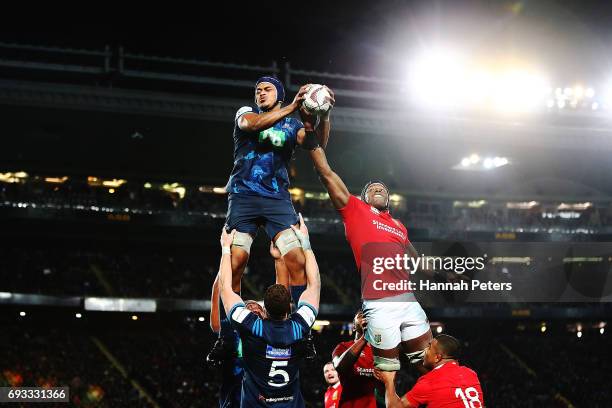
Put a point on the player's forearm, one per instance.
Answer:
(320, 163)
(225, 281)
(215, 315)
(348, 359)
(338, 193)
(322, 131)
(313, 278)
(392, 400)
(265, 120)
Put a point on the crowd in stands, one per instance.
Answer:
(52, 357)
(434, 214)
(515, 370)
(152, 273)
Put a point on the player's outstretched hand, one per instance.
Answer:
(331, 94)
(386, 377)
(227, 238)
(299, 97)
(274, 251)
(302, 233)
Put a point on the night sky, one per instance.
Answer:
(572, 40)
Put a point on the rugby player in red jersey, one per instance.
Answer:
(394, 319)
(354, 362)
(447, 385)
(334, 390)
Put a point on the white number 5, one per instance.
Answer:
(274, 372)
(472, 396)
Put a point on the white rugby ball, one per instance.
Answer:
(317, 100)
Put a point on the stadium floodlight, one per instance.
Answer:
(438, 77)
(589, 92)
(488, 163)
(22, 314)
(579, 334)
(602, 330)
(474, 158)
(519, 91)
(439, 329)
(78, 315)
(134, 317)
(201, 319)
(543, 328)
(465, 162)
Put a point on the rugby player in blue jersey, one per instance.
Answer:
(265, 137)
(232, 370)
(272, 347)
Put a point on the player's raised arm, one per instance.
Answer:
(338, 193)
(228, 296)
(313, 280)
(254, 122)
(215, 315)
(345, 362)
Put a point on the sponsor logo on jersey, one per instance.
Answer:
(374, 210)
(365, 372)
(278, 353)
(275, 399)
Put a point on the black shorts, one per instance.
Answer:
(246, 213)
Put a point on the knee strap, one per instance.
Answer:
(386, 364)
(415, 357)
(286, 241)
(243, 240)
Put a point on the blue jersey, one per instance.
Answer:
(232, 372)
(261, 158)
(272, 351)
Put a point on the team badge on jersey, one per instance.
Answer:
(378, 338)
(278, 353)
(275, 136)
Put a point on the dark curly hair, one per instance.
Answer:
(277, 301)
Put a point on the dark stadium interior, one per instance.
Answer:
(116, 148)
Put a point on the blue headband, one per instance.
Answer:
(280, 90)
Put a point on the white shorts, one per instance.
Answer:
(394, 319)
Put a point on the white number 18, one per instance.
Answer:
(469, 397)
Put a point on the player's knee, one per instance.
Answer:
(386, 363)
(243, 241)
(286, 242)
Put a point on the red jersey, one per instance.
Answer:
(385, 236)
(332, 395)
(450, 386)
(358, 386)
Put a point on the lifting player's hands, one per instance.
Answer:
(387, 377)
(227, 238)
(363, 322)
(302, 234)
(274, 251)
